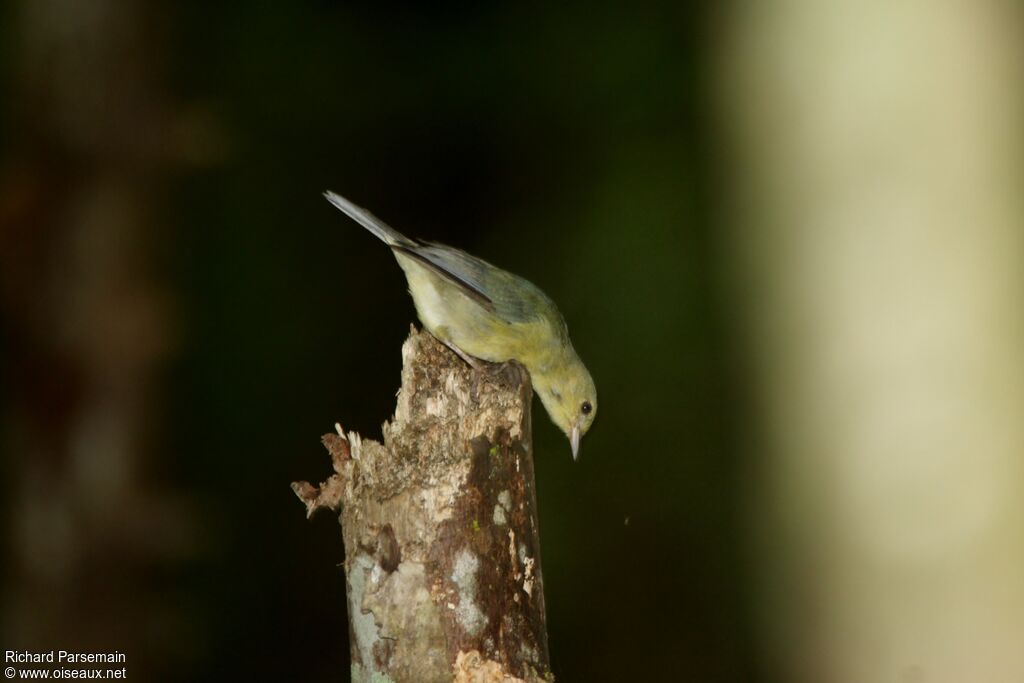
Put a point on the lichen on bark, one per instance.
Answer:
(439, 521)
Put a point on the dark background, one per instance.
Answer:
(230, 316)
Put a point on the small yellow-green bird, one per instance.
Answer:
(482, 311)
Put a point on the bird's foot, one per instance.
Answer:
(471, 361)
(481, 368)
(503, 373)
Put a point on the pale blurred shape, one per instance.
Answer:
(879, 254)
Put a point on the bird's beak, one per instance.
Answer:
(574, 439)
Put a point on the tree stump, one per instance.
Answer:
(442, 551)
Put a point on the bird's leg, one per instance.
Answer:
(478, 364)
(480, 367)
(472, 362)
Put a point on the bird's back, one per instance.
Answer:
(518, 319)
(484, 310)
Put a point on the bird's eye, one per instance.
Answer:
(586, 407)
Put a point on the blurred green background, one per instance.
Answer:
(185, 315)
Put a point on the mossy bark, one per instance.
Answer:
(442, 552)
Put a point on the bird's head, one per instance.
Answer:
(568, 394)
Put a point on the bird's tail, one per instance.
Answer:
(382, 230)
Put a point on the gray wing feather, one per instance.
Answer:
(508, 296)
(382, 230)
(465, 272)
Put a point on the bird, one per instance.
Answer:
(483, 312)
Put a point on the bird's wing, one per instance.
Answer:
(509, 297)
(463, 270)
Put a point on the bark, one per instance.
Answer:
(440, 527)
